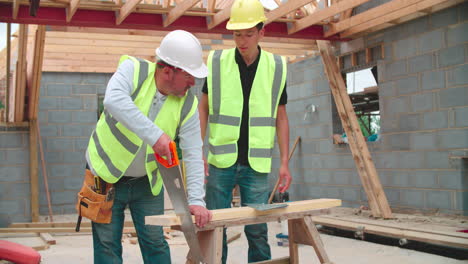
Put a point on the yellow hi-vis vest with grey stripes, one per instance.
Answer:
(226, 103)
(112, 147)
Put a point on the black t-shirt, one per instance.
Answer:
(247, 75)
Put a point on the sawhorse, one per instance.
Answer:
(299, 214)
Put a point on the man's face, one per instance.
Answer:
(247, 40)
(181, 82)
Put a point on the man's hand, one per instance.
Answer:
(285, 179)
(161, 147)
(202, 215)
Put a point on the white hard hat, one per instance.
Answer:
(181, 49)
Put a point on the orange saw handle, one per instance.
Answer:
(175, 157)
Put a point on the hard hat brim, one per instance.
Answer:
(200, 72)
(240, 26)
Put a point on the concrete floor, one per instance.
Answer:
(77, 249)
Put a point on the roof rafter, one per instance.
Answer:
(16, 4)
(126, 9)
(382, 15)
(285, 8)
(220, 17)
(71, 9)
(178, 11)
(211, 6)
(324, 13)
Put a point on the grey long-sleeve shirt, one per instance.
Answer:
(118, 102)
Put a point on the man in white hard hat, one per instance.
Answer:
(244, 103)
(147, 105)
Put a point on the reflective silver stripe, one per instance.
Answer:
(225, 120)
(260, 152)
(126, 143)
(216, 82)
(223, 149)
(150, 157)
(105, 158)
(276, 82)
(185, 110)
(142, 75)
(187, 106)
(263, 121)
(154, 178)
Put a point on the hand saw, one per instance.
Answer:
(172, 178)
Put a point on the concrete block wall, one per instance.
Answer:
(68, 111)
(423, 89)
(14, 175)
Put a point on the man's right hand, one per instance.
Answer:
(161, 147)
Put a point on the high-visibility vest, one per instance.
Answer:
(226, 104)
(113, 147)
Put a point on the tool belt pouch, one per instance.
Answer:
(93, 205)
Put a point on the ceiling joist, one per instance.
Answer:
(323, 14)
(178, 11)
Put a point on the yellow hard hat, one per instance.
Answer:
(245, 14)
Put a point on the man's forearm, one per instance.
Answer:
(203, 114)
(282, 131)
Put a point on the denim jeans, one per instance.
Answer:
(253, 187)
(136, 194)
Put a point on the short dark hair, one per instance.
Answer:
(259, 26)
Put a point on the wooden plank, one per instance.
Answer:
(211, 243)
(354, 59)
(394, 232)
(315, 240)
(71, 9)
(16, 4)
(220, 16)
(366, 168)
(36, 72)
(449, 232)
(386, 15)
(332, 78)
(220, 216)
(20, 81)
(56, 225)
(178, 11)
(48, 238)
(128, 33)
(283, 260)
(322, 14)
(211, 6)
(33, 170)
(368, 55)
(285, 8)
(368, 15)
(4, 113)
(293, 246)
(125, 10)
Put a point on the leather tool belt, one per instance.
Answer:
(95, 200)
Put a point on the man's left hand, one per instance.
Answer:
(285, 179)
(202, 215)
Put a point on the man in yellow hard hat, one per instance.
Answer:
(243, 102)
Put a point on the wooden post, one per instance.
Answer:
(34, 80)
(35, 72)
(17, 107)
(7, 91)
(33, 170)
(370, 180)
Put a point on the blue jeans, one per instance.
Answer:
(136, 194)
(253, 187)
